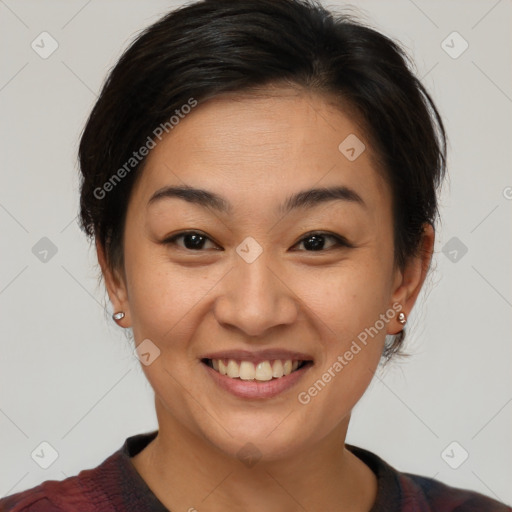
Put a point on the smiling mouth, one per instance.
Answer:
(262, 371)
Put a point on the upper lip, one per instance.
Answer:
(258, 355)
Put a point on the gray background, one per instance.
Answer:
(67, 373)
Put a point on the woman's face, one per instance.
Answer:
(253, 284)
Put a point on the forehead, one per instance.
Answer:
(259, 148)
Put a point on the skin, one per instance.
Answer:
(256, 152)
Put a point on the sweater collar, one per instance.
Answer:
(388, 487)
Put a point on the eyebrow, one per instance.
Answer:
(304, 199)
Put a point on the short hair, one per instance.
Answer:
(211, 47)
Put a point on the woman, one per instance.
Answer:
(260, 179)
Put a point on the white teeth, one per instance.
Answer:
(263, 371)
(277, 369)
(233, 369)
(247, 370)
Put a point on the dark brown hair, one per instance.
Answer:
(211, 47)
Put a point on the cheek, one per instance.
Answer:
(351, 334)
(350, 296)
(166, 298)
(332, 393)
(351, 302)
(155, 293)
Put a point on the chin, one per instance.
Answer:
(268, 438)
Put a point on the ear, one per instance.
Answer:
(409, 281)
(116, 287)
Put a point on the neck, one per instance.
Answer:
(186, 472)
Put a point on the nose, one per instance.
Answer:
(255, 298)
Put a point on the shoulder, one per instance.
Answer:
(408, 492)
(84, 492)
(112, 486)
(36, 499)
(441, 497)
(31, 500)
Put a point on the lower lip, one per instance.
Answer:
(254, 388)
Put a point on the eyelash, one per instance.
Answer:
(340, 241)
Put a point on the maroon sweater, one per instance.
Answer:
(116, 486)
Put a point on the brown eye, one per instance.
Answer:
(316, 242)
(192, 240)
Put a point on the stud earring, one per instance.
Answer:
(401, 318)
(118, 316)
